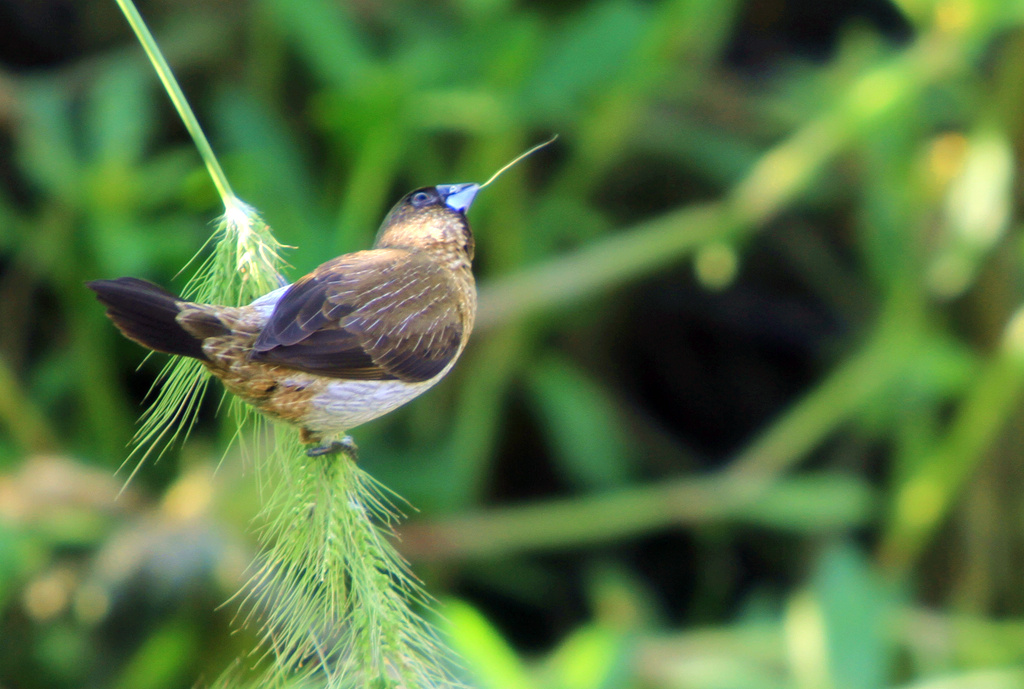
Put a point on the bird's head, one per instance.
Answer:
(431, 218)
(434, 218)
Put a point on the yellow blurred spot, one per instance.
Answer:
(920, 504)
(780, 171)
(953, 16)
(190, 496)
(587, 658)
(716, 266)
(946, 157)
(949, 275)
(486, 654)
(805, 641)
(13, 507)
(1013, 336)
(875, 92)
(978, 205)
(48, 596)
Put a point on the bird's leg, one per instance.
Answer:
(345, 446)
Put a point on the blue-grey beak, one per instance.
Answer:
(458, 197)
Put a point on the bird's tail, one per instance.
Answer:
(147, 314)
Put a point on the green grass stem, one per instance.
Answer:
(181, 104)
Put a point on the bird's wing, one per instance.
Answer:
(383, 314)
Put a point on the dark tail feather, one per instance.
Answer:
(146, 313)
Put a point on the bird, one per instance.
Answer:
(359, 336)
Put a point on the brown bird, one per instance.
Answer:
(361, 335)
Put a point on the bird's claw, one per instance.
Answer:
(345, 446)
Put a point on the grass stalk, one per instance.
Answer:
(332, 598)
(179, 101)
(924, 499)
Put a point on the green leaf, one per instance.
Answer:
(487, 656)
(119, 116)
(165, 659)
(592, 657)
(857, 612)
(20, 554)
(581, 422)
(45, 140)
(326, 37)
(588, 53)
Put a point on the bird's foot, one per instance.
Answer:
(345, 446)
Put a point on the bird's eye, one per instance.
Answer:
(421, 198)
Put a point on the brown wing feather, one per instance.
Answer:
(374, 315)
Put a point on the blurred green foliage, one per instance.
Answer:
(743, 410)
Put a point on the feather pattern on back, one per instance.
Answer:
(384, 314)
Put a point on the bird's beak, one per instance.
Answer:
(458, 197)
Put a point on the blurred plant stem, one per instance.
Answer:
(750, 484)
(776, 180)
(188, 117)
(881, 362)
(684, 30)
(245, 264)
(810, 503)
(924, 499)
(23, 419)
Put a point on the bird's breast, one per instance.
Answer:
(341, 405)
